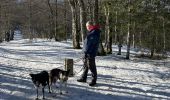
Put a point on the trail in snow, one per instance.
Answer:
(118, 79)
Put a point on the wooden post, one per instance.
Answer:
(69, 65)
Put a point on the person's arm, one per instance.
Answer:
(91, 43)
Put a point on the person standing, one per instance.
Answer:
(90, 48)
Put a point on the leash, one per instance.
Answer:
(75, 61)
(75, 73)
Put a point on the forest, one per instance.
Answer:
(52, 36)
(140, 24)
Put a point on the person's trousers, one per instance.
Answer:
(89, 63)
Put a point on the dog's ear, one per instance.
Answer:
(31, 75)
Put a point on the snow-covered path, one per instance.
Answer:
(118, 79)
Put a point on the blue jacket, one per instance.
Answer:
(91, 43)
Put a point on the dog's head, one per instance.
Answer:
(64, 75)
(33, 78)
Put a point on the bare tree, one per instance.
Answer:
(128, 32)
(120, 40)
(107, 29)
(75, 34)
(82, 19)
(56, 23)
(96, 21)
(96, 12)
(90, 10)
(29, 21)
(1, 33)
(65, 19)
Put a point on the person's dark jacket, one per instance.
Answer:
(91, 42)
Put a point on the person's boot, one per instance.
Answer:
(92, 83)
(81, 80)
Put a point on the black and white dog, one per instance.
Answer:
(41, 78)
(61, 75)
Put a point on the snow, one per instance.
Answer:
(17, 35)
(118, 79)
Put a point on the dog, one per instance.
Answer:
(58, 74)
(41, 78)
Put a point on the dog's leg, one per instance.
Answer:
(60, 87)
(52, 81)
(56, 83)
(66, 87)
(48, 86)
(43, 92)
(51, 88)
(37, 94)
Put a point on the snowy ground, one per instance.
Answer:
(118, 79)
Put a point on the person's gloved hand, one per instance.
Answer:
(86, 56)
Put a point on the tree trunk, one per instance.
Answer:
(140, 44)
(116, 34)
(128, 33)
(164, 36)
(75, 34)
(56, 36)
(96, 12)
(101, 51)
(105, 32)
(109, 35)
(82, 19)
(134, 24)
(65, 19)
(30, 22)
(1, 36)
(90, 10)
(120, 41)
(153, 47)
(128, 43)
(51, 20)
